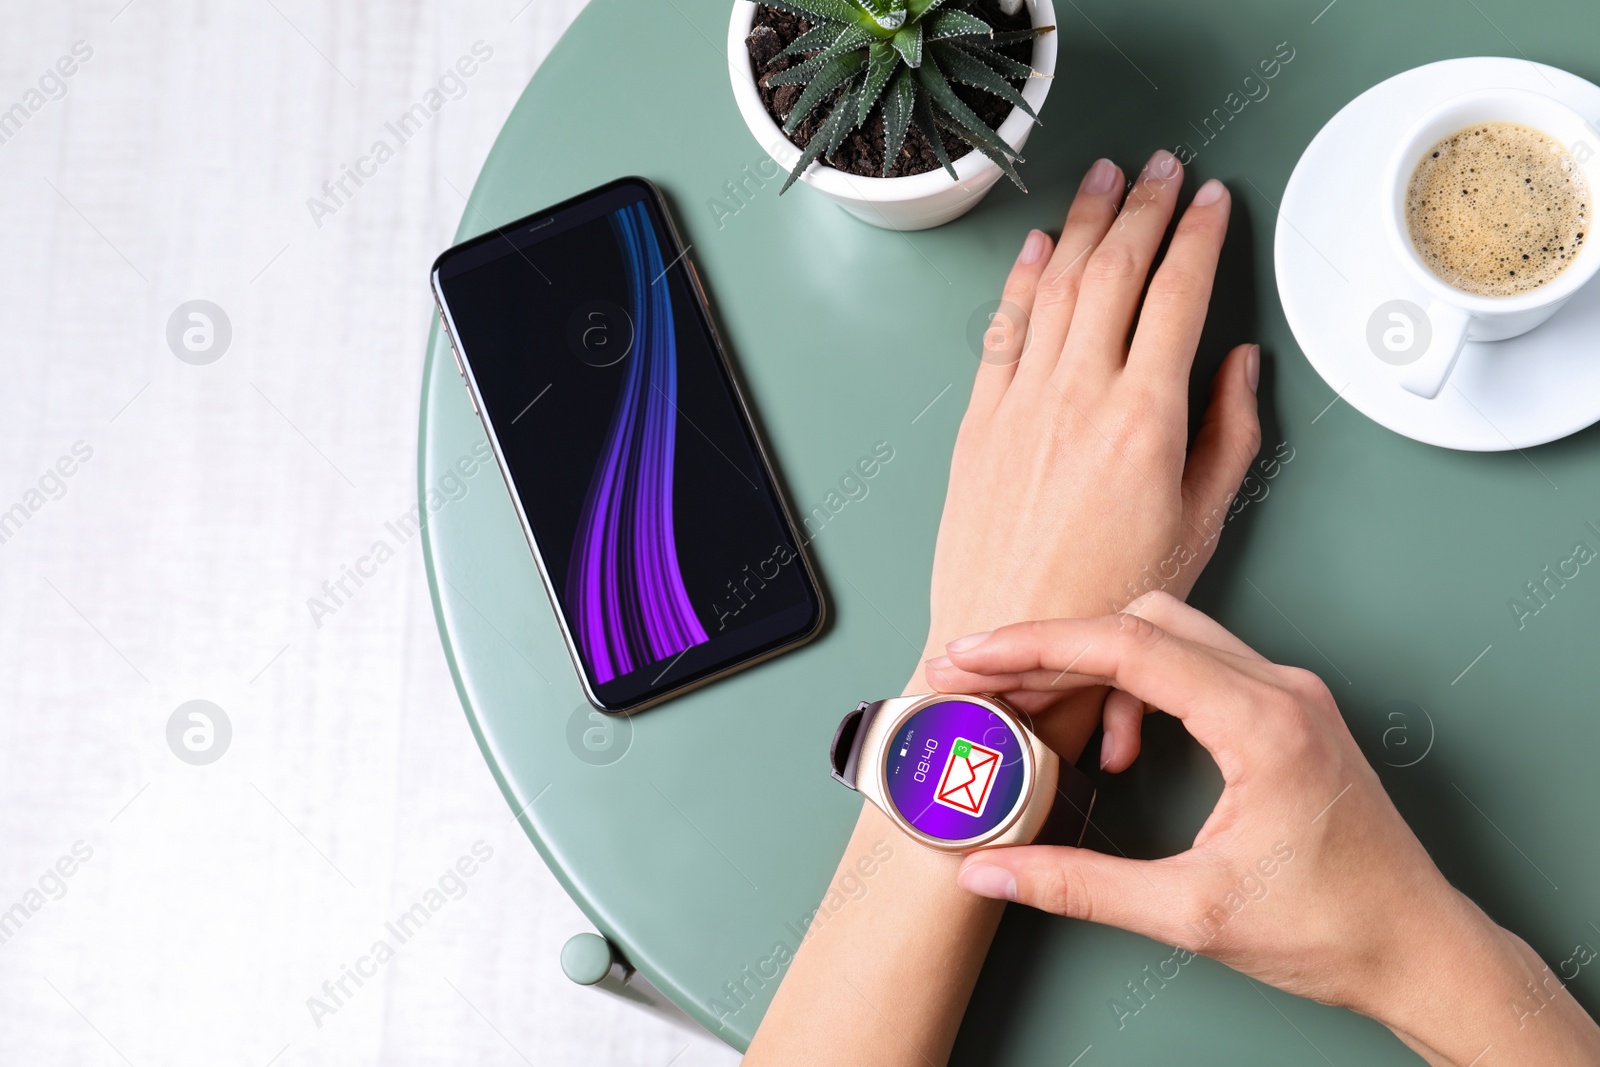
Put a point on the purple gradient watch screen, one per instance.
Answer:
(954, 770)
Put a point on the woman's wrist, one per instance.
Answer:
(918, 683)
(1460, 985)
(1411, 984)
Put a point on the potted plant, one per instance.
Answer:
(904, 112)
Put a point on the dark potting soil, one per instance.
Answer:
(862, 150)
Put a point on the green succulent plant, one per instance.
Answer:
(904, 54)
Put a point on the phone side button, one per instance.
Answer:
(444, 327)
(694, 272)
(471, 400)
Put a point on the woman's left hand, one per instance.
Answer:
(1072, 489)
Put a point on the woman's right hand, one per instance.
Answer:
(1305, 875)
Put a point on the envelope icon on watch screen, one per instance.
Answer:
(968, 777)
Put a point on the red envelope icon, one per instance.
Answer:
(968, 777)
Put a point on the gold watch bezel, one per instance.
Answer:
(1041, 772)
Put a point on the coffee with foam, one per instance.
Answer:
(1497, 209)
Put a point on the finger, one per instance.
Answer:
(1229, 438)
(1008, 326)
(1066, 723)
(1213, 692)
(1134, 895)
(1044, 686)
(1064, 720)
(1174, 310)
(1123, 717)
(1093, 210)
(945, 677)
(1059, 685)
(1191, 624)
(1114, 276)
(1030, 703)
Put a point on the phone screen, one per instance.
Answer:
(653, 513)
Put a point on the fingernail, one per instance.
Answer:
(1107, 747)
(1031, 248)
(1163, 164)
(1209, 193)
(1137, 604)
(1252, 367)
(1101, 177)
(939, 663)
(987, 880)
(962, 644)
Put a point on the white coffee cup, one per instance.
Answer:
(1457, 317)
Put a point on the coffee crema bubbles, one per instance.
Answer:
(1498, 209)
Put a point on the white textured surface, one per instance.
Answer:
(178, 563)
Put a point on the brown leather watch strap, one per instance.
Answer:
(844, 754)
(1069, 814)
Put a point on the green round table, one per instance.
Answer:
(700, 836)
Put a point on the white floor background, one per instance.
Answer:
(176, 562)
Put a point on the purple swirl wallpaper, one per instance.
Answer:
(625, 587)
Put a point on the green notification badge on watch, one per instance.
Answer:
(961, 773)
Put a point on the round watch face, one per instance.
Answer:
(955, 769)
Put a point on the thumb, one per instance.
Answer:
(1229, 437)
(1079, 883)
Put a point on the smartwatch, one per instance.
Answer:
(961, 773)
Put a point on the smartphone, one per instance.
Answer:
(587, 347)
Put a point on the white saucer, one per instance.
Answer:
(1335, 270)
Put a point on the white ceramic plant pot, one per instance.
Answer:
(912, 203)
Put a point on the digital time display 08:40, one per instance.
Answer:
(955, 769)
